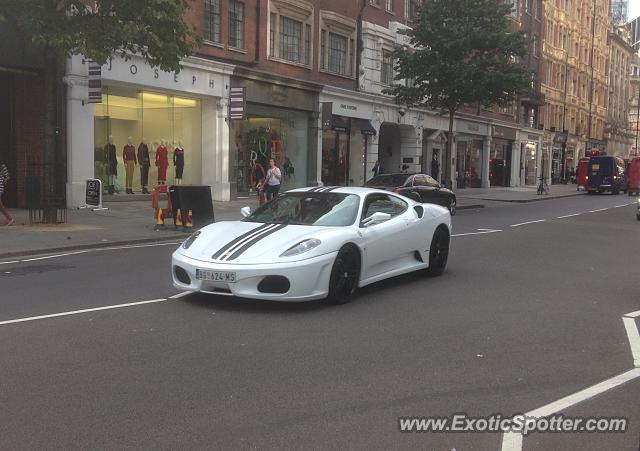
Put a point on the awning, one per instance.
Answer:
(364, 125)
(339, 123)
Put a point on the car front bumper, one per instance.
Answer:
(308, 279)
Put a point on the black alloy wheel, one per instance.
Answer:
(452, 206)
(344, 276)
(439, 252)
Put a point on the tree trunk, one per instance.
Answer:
(448, 176)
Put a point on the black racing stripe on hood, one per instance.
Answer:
(231, 243)
(255, 240)
(331, 188)
(317, 188)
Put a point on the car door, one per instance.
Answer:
(384, 243)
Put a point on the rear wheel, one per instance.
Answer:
(452, 206)
(344, 276)
(438, 252)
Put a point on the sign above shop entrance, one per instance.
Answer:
(237, 103)
(503, 132)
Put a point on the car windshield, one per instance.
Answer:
(388, 180)
(312, 209)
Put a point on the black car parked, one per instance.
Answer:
(419, 187)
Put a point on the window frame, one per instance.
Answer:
(335, 25)
(297, 11)
(233, 4)
(212, 29)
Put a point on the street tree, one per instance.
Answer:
(97, 29)
(462, 53)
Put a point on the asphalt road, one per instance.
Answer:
(525, 315)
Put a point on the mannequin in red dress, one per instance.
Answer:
(162, 162)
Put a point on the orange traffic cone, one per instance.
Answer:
(159, 219)
(188, 225)
(178, 221)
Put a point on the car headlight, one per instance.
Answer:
(301, 247)
(189, 241)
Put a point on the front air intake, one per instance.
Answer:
(274, 285)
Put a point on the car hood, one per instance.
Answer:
(239, 242)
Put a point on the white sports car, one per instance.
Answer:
(315, 243)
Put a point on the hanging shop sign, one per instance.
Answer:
(95, 83)
(237, 103)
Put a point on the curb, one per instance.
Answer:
(99, 245)
(470, 207)
(537, 199)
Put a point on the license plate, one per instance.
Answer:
(595, 166)
(215, 276)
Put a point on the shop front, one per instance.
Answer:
(501, 157)
(347, 132)
(472, 141)
(280, 123)
(151, 128)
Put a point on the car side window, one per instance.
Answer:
(419, 180)
(383, 203)
(430, 181)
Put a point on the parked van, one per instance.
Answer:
(605, 174)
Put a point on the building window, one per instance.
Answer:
(290, 35)
(212, 20)
(389, 5)
(535, 45)
(411, 9)
(515, 8)
(386, 69)
(337, 44)
(236, 25)
(375, 3)
(539, 9)
(527, 6)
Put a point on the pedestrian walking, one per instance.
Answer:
(4, 179)
(273, 180)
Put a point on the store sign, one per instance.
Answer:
(533, 137)
(503, 132)
(93, 195)
(237, 103)
(95, 83)
(560, 138)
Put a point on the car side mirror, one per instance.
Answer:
(376, 218)
(246, 211)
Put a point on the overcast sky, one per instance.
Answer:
(634, 9)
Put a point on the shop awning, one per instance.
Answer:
(365, 126)
(339, 124)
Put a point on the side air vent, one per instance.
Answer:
(419, 210)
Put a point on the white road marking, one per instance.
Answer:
(598, 210)
(528, 222)
(85, 251)
(476, 233)
(489, 230)
(634, 339)
(77, 312)
(179, 295)
(624, 205)
(512, 441)
(568, 216)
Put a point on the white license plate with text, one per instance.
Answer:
(215, 276)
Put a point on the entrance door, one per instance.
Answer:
(7, 136)
(335, 158)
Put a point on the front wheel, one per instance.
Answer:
(439, 252)
(453, 206)
(345, 274)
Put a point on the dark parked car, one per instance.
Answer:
(419, 187)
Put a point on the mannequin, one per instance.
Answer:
(162, 162)
(112, 164)
(178, 162)
(130, 162)
(144, 162)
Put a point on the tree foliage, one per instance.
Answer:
(98, 29)
(463, 53)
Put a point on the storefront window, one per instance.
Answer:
(152, 118)
(500, 163)
(531, 164)
(469, 164)
(270, 133)
(335, 158)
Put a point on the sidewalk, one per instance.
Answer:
(129, 220)
(519, 194)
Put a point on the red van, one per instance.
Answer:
(581, 175)
(633, 176)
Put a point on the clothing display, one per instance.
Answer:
(162, 163)
(178, 161)
(111, 159)
(144, 162)
(130, 161)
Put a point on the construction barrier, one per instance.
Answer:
(194, 199)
